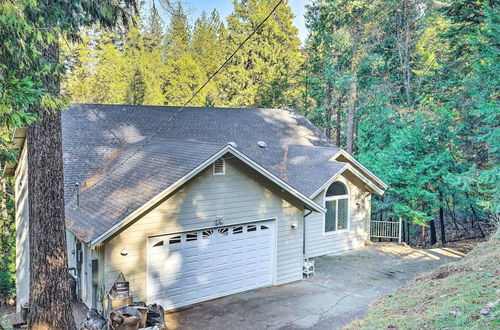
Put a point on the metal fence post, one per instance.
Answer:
(400, 228)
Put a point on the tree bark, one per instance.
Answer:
(329, 115)
(408, 233)
(441, 219)
(353, 97)
(49, 295)
(339, 123)
(404, 43)
(433, 236)
(422, 235)
(403, 239)
(329, 111)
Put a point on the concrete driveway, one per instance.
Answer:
(344, 287)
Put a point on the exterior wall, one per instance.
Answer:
(85, 278)
(98, 253)
(241, 195)
(70, 247)
(22, 235)
(318, 243)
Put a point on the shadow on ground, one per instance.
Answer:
(342, 290)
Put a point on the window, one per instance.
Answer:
(220, 167)
(160, 243)
(174, 240)
(337, 208)
(207, 233)
(191, 237)
(223, 231)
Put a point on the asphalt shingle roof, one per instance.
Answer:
(96, 138)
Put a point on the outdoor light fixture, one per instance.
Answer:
(294, 225)
(219, 221)
(124, 252)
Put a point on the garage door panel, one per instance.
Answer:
(196, 266)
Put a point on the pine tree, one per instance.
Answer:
(209, 49)
(183, 74)
(36, 28)
(265, 72)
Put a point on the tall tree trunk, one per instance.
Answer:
(329, 115)
(433, 236)
(353, 97)
(339, 123)
(49, 299)
(403, 231)
(404, 43)
(408, 233)
(441, 219)
(329, 112)
(422, 235)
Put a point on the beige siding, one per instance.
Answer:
(318, 243)
(241, 195)
(22, 235)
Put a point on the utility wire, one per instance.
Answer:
(162, 126)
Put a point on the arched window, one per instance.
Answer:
(337, 208)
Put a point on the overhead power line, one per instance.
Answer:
(164, 124)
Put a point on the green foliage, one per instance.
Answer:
(168, 64)
(427, 107)
(7, 238)
(30, 73)
(266, 70)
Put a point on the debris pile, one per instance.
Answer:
(129, 317)
(123, 313)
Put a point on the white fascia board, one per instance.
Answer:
(372, 176)
(157, 198)
(306, 200)
(349, 167)
(309, 202)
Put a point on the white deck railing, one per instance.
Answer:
(386, 229)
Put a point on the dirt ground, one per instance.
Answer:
(8, 315)
(344, 287)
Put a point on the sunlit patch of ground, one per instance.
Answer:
(460, 295)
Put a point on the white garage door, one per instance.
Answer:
(187, 268)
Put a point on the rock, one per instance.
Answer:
(485, 310)
(492, 304)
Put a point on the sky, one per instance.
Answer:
(224, 7)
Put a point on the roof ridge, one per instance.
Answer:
(187, 107)
(186, 141)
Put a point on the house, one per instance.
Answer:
(219, 201)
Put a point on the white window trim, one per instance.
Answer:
(335, 198)
(223, 167)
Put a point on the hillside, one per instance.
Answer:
(465, 294)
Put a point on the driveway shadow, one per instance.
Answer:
(344, 287)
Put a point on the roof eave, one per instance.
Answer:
(18, 139)
(381, 184)
(308, 203)
(372, 187)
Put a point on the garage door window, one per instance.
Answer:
(337, 208)
(210, 263)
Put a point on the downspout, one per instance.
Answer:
(304, 232)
